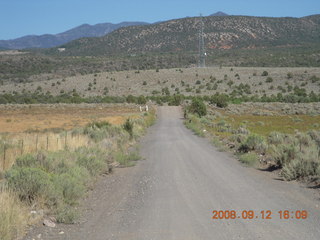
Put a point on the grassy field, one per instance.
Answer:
(22, 118)
(239, 81)
(264, 125)
(28, 129)
(263, 120)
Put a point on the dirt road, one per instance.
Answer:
(171, 195)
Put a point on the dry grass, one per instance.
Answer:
(28, 129)
(20, 118)
(13, 216)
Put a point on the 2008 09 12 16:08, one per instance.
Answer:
(263, 214)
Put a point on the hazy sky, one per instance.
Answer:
(26, 17)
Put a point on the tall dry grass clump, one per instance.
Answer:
(13, 215)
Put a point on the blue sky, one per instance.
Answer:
(25, 17)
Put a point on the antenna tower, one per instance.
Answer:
(202, 53)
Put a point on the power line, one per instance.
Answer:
(202, 53)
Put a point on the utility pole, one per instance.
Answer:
(202, 53)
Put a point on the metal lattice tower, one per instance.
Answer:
(202, 53)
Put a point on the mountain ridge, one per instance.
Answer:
(219, 14)
(53, 40)
(181, 35)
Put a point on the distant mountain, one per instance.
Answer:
(50, 40)
(181, 35)
(219, 14)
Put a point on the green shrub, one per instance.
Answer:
(71, 186)
(26, 160)
(221, 100)
(92, 160)
(165, 91)
(283, 153)
(194, 124)
(253, 142)
(276, 138)
(66, 214)
(155, 92)
(230, 83)
(29, 183)
(264, 73)
(98, 131)
(96, 134)
(60, 161)
(250, 159)
(298, 168)
(131, 99)
(314, 79)
(198, 107)
(315, 136)
(99, 125)
(126, 160)
(175, 100)
(128, 126)
(318, 171)
(237, 138)
(40, 160)
(134, 156)
(141, 100)
(289, 75)
(269, 80)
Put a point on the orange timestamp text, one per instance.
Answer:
(263, 214)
